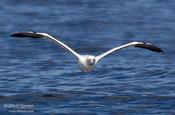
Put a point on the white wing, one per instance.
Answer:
(42, 35)
(148, 46)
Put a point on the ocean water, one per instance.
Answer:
(38, 77)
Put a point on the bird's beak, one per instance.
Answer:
(91, 63)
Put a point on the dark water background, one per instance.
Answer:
(132, 81)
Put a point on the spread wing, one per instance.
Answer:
(45, 35)
(148, 46)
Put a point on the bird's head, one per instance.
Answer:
(91, 60)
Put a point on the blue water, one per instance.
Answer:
(129, 82)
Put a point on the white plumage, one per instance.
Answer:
(86, 62)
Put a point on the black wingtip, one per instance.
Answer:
(27, 34)
(150, 46)
(18, 35)
(155, 48)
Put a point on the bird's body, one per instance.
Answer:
(87, 63)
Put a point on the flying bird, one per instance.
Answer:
(87, 63)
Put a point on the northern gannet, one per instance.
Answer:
(87, 63)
